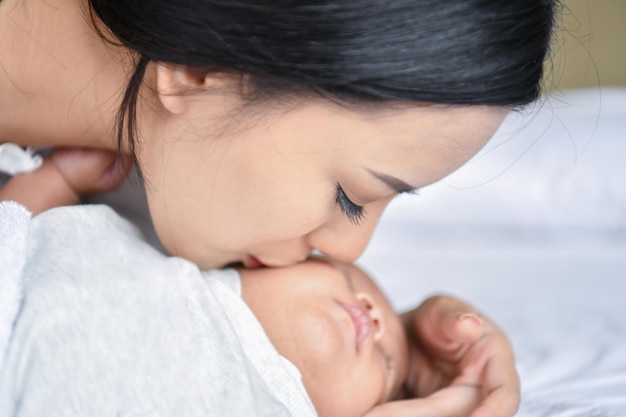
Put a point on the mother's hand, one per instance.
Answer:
(89, 171)
(461, 364)
(65, 176)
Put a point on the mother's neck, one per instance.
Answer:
(60, 84)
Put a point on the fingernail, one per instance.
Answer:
(472, 316)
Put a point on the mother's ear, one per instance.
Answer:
(175, 82)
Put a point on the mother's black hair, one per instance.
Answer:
(473, 52)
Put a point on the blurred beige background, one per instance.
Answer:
(590, 48)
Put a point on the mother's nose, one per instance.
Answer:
(342, 240)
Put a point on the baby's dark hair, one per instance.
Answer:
(465, 52)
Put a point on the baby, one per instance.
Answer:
(109, 326)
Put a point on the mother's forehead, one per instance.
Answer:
(319, 129)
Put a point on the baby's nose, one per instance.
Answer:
(375, 313)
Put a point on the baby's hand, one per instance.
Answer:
(454, 350)
(452, 401)
(64, 176)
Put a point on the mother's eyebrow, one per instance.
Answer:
(396, 184)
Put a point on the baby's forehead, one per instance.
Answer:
(357, 279)
(330, 266)
(354, 273)
(321, 267)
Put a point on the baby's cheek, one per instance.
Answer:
(318, 347)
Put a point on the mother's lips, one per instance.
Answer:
(362, 322)
(252, 262)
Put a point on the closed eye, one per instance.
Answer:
(386, 358)
(354, 212)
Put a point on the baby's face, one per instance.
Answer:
(333, 323)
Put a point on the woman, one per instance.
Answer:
(265, 130)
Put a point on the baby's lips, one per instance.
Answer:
(361, 321)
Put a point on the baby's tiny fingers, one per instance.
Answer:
(467, 329)
(501, 387)
(448, 402)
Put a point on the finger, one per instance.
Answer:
(445, 324)
(500, 403)
(448, 402)
(91, 170)
(115, 173)
(465, 329)
(501, 388)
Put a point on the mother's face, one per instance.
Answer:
(316, 176)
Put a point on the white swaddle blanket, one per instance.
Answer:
(14, 220)
(109, 326)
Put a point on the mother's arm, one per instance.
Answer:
(461, 364)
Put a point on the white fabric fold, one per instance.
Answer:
(109, 326)
(14, 220)
(15, 160)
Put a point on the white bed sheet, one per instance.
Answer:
(533, 233)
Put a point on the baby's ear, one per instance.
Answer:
(175, 82)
